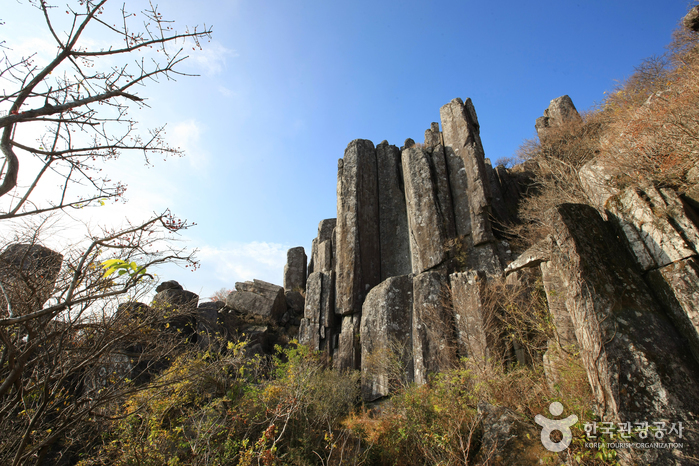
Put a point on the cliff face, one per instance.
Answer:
(404, 270)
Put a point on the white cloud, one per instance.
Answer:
(225, 91)
(212, 59)
(186, 136)
(241, 262)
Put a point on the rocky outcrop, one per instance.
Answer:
(258, 297)
(560, 111)
(318, 321)
(386, 337)
(637, 363)
(691, 20)
(295, 269)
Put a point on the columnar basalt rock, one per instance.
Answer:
(560, 111)
(427, 233)
(295, 269)
(433, 137)
(358, 266)
(458, 181)
(440, 180)
(393, 221)
(358, 250)
(386, 336)
(433, 339)
(638, 365)
(461, 132)
(476, 324)
(325, 233)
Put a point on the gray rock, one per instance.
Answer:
(386, 337)
(349, 351)
(458, 182)
(28, 273)
(509, 439)
(393, 217)
(295, 301)
(168, 285)
(476, 323)
(433, 339)
(325, 229)
(427, 235)
(691, 20)
(677, 288)
(440, 179)
(561, 110)
(556, 296)
(461, 132)
(357, 236)
(295, 269)
(433, 137)
(638, 365)
(325, 261)
(258, 297)
(179, 308)
(207, 322)
(532, 257)
(408, 144)
(655, 225)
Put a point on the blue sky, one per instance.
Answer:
(285, 86)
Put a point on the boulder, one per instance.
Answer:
(258, 297)
(386, 337)
(179, 308)
(168, 285)
(357, 236)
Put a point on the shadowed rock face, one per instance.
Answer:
(28, 273)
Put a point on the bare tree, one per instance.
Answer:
(73, 343)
